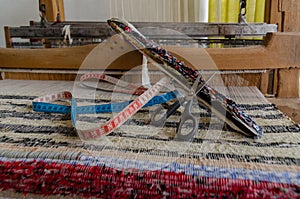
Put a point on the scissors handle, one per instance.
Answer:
(188, 125)
(159, 117)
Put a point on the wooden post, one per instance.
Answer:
(285, 13)
(288, 84)
(267, 11)
(54, 8)
(7, 37)
(54, 11)
(291, 9)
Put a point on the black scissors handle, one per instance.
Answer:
(159, 117)
(188, 125)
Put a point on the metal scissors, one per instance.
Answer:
(188, 121)
(188, 125)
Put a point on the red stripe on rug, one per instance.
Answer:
(99, 181)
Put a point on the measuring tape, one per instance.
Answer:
(125, 110)
(125, 114)
(126, 86)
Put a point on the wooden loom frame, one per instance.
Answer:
(281, 52)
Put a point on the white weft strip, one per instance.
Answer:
(145, 73)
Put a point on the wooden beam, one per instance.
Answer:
(280, 51)
(51, 58)
(162, 30)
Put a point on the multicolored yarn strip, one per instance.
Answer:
(44, 178)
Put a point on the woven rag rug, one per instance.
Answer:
(41, 154)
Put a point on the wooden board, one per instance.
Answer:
(288, 79)
(280, 51)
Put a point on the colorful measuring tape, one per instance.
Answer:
(124, 87)
(125, 109)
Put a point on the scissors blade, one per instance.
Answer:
(196, 84)
(160, 121)
(187, 116)
(188, 125)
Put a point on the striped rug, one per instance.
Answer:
(41, 154)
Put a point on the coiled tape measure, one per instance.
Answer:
(125, 110)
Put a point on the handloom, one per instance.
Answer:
(42, 155)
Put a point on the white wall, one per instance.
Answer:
(16, 13)
(87, 10)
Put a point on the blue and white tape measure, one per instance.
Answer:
(125, 110)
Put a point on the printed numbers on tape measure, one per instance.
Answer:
(124, 115)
